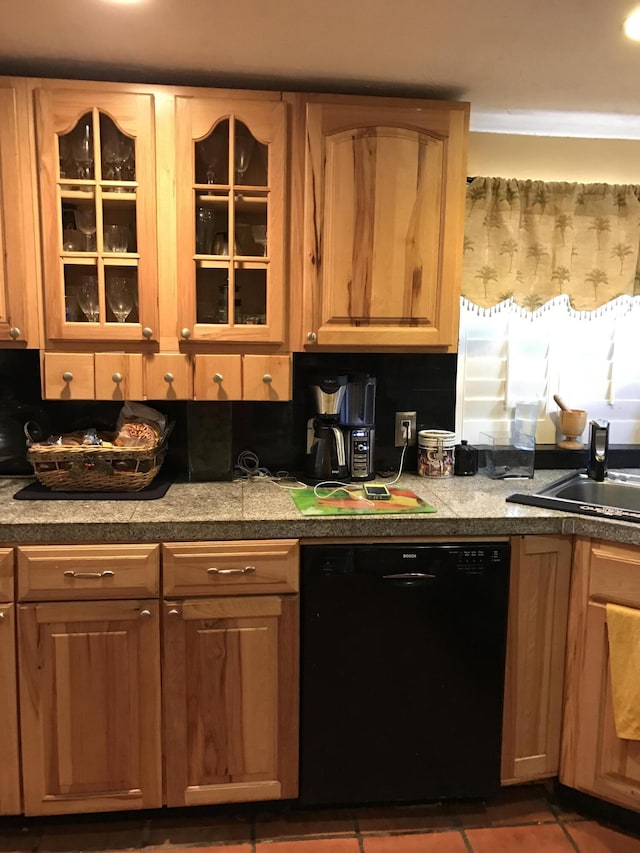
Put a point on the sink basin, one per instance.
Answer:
(617, 496)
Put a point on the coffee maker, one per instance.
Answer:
(326, 455)
(357, 417)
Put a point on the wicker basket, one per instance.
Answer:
(96, 469)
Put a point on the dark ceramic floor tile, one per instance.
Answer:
(18, 839)
(406, 818)
(524, 839)
(298, 823)
(592, 837)
(435, 842)
(185, 829)
(89, 836)
(315, 845)
(510, 806)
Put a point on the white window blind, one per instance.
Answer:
(590, 358)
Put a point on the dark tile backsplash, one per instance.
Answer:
(208, 437)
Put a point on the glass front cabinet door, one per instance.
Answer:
(97, 181)
(230, 166)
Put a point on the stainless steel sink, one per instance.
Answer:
(617, 496)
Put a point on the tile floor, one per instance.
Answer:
(527, 819)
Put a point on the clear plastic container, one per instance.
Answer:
(503, 459)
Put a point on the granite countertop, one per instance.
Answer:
(261, 509)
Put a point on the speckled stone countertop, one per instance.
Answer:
(260, 509)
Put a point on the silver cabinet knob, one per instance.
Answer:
(185, 333)
(117, 377)
(169, 377)
(67, 376)
(218, 377)
(2, 615)
(145, 613)
(147, 332)
(312, 337)
(14, 332)
(173, 612)
(267, 378)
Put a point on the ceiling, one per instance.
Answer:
(515, 61)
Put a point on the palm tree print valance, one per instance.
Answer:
(532, 241)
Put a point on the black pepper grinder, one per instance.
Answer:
(465, 460)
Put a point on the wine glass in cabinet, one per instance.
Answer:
(97, 177)
(230, 156)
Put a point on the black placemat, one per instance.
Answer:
(38, 492)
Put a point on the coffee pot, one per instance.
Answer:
(327, 458)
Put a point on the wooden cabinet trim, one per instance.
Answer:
(9, 738)
(6, 574)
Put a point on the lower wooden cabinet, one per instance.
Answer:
(9, 757)
(594, 758)
(230, 696)
(536, 639)
(90, 706)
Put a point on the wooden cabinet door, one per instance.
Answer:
(118, 376)
(594, 758)
(68, 376)
(18, 272)
(266, 377)
(230, 188)
(96, 156)
(536, 641)
(383, 221)
(230, 689)
(10, 767)
(168, 376)
(90, 706)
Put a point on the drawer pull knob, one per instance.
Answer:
(89, 575)
(67, 376)
(117, 377)
(185, 333)
(14, 332)
(267, 378)
(145, 613)
(173, 612)
(2, 615)
(169, 377)
(218, 377)
(312, 337)
(147, 332)
(246, 571)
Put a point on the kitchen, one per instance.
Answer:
(248, 414)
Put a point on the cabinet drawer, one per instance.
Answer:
(6, 574)
(87, 571)
(612, 576)
(230, 568)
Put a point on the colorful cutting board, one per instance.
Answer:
(353, 502)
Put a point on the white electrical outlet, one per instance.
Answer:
(402, 418)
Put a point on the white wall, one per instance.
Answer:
(554, 158)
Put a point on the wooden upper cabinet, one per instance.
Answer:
(18, 269)
(230, 187)
(96, 158)
(384, 184)
(594, 759)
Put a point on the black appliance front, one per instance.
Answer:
(402, 671)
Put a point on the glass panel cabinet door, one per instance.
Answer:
(97, 174)
(230, 162)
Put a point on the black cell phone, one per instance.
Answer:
(376, 492)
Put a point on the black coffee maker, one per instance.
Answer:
(326, 454)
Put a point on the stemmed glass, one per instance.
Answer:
(243, 150)
(117, 149)
(88, 298)
(120, 298)
(82, 148)
(211, 149)
(86, 222)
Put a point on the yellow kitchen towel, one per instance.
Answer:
(623, 628)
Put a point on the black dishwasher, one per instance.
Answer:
(402, 671)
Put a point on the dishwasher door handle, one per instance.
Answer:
(409, 576)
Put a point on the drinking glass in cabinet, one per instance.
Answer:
(88, 297)
(82, 149)
(204, 231)
(117, 151)
(86, 222)
(120, 297)
(212, 150)
(71, 307)
(260, 237)
(72, 240)
(243, 150)
(116, 238)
